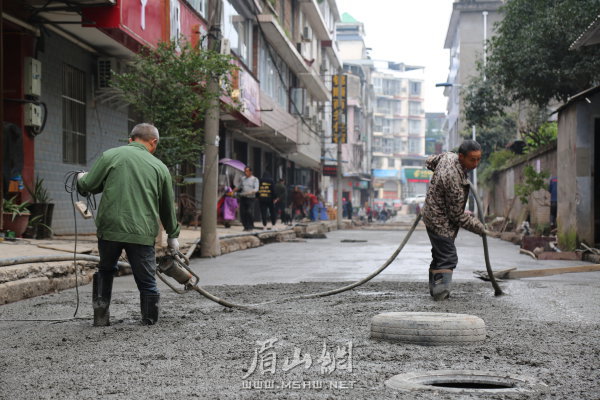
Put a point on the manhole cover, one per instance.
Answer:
(430, 329)
(461, 381)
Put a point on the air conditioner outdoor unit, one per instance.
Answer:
(104, 69)
(225, 46)
(306, 34)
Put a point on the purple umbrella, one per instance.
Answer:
(233, 163)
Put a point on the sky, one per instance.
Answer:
(408, 31)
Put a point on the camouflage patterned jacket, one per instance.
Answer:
(444, 210)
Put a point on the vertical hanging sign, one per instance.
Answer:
(339, 103)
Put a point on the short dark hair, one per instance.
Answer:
(468, 146)
(248, 168)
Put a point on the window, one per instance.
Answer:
(377, 162)
(271, 74)
(391, 87)
(383, 106)
(397, 107)
(199, 5)
(391, 162)
(73, 115)
(388, 146)
(397, 145)
(376, 146)
(414, 126)
(414, 146)
(238, 29)
(378, 124)
(414, 108)
(414, 88)
(377, 85)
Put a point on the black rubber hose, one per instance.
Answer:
(252, 307)
(488, 266)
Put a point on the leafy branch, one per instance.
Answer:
(167, 86)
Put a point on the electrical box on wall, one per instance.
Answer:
(33, 77)
(33, 115)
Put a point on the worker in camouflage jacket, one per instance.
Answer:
(444, 212)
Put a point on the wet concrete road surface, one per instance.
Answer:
(544, 328)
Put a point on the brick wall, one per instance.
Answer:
(106, 128)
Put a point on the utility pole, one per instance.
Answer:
(338, 173)
(209, 240)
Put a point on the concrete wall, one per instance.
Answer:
(105, 128)
(500, 197)
(576, 124)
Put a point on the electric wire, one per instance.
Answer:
(71, 188)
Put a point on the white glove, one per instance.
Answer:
(173, 245)
(81, 175)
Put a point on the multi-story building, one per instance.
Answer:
(284, 49)
(356, 154)
(471, 23)
(398, 131)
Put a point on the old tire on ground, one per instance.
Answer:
(429, 329)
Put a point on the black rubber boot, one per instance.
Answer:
(439, 283)
(101, 294)
(150, 305)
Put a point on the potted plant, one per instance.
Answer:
(41, 209)
(15, 216)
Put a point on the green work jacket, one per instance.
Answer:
(136, 192)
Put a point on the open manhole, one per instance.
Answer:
(462, 381)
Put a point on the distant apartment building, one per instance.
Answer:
(398, 148)
(472, 21)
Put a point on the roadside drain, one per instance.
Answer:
(464, 381)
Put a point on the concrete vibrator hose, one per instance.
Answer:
(183, 262)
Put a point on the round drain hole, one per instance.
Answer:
(462, 381)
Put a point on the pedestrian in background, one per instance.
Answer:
(297, 203)
(229, 206)
(247, 191)
(312, 204)
(444, 212)
(266, 196)
(281, 201)
(349, 209)
(137, 192)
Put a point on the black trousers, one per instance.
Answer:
(264, 206)
(443, 252)
(247, 212)
(142, 259)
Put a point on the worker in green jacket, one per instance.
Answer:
(136, 192)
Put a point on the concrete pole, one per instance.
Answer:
(209, 240)
(339, 152)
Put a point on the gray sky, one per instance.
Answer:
(408, 31)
